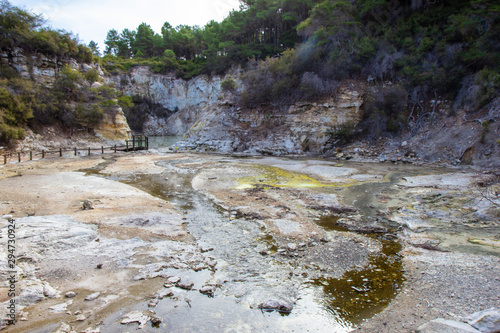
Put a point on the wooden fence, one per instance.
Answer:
(138, 142)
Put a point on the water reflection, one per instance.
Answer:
(358, 295)
(163, 141)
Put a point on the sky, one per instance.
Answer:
(92, 19)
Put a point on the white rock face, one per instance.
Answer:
(487, 321)
(205, 114)
(172, 93)
(41, 68)
(446, 326)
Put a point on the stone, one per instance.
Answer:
(165, 293)
(155, 320)
(80, 317)
(64, 328)
(187, 285)
(49, 292)
(445, 326)
(153, 303)
(87, 204)
(59, 308)
(135, 317)
(92, 330)
(207, 290)
(31, 294)
(212, 264)
(291, 246)
(93, 296)
(486, 321)
(70, 294)
(173, 279)
(274, 305)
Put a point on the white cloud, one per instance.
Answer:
(92, 19)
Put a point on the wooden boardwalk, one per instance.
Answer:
(138, 142)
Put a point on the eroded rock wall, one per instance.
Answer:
(211, 121)
(40, 68)
(304, 128)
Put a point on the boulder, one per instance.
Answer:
(486, 321)
(445, 326)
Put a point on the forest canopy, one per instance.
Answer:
(431, 46)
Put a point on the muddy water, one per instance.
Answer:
(321, 304)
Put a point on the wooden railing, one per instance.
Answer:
(138, 142)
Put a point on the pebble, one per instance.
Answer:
(93, 296)
(153, 303)
(274, 305)
(155, 320)
(80, 317)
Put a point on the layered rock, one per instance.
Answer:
(172, 93)
(114, 126)
(303, 128)
(210, 121)
(43, 70)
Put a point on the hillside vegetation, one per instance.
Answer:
(72, 100)
(299, 49)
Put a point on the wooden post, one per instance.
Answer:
(75, 151)
(133, 143)
(4, 159)
(89, 151)
(19, 157)
(147, 143)
(102, 150)
(127, 144)
(60, 152)
(43, 153)
(31, 155)
(115, 148)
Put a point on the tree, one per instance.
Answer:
(94, 48)
(124, 43)
(143, 42)
(112, 40)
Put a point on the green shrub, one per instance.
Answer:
(92, 75)
(228, 85)
(89, 116)
(14, 115)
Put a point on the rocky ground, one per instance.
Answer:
(145, 240)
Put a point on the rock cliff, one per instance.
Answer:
(210, 121)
